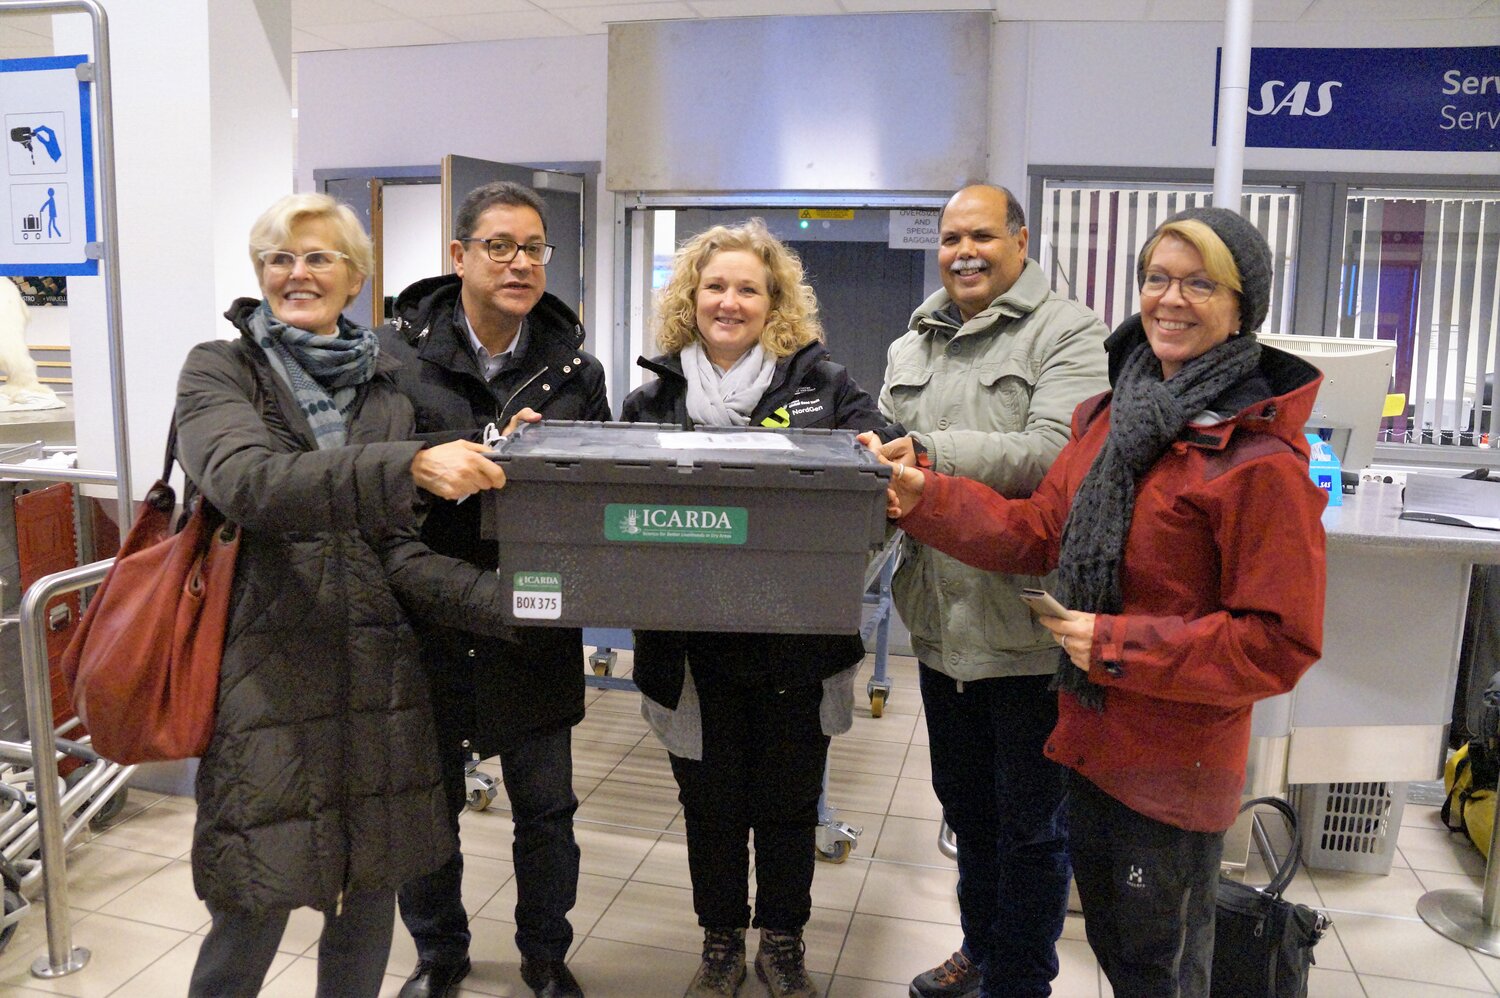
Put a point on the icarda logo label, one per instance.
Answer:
(675, 524)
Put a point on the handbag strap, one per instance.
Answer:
(1282, 878)
(171, 456)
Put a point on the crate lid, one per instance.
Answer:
(668, 446)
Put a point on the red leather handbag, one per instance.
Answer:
(143, 667)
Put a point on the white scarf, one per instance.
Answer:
(728, 398)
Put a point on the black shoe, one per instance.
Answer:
(550, 979)
(434, 980)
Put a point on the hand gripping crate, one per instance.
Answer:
(647, 526)
(1349, 826)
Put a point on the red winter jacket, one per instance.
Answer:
(1222, 579)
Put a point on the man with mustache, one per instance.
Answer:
(985, 382)
(483, 345)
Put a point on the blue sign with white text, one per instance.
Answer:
(1428, 99)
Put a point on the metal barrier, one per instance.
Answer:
(62, 956)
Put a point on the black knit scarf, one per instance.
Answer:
(1146, 414)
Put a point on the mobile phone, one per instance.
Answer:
(1044, 604)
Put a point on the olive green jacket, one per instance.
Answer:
(990, 399)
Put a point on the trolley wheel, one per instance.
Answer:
(877, 703)
(111, 810)
(603, 663)
(479, 800)
(837, 852)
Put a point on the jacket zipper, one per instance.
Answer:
(500, 414)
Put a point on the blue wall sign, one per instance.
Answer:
(1428, 99)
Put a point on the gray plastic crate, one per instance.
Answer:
(1349, 826)
(619, 525)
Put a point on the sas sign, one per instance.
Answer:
(1430, 99)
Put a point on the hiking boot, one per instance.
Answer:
(723, 968)
(955, 977)
(780, 965)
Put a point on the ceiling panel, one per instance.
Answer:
(757, 8)
(307, 41)
(493, 27)
(596, 20)
(1390, 10)
(570, 4)
(327, 24)
(315, 13)
(1213, 10)
(15, 46)
(445, 8)
(1071, 10)
(38, 25)
(384, 34)
(912, 6)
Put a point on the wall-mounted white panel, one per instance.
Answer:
(867, 102)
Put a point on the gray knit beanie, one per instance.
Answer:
(1251, 255)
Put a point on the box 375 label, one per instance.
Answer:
(536, 595)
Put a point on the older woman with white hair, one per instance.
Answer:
(320, 786)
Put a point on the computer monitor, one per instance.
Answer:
(1356, 379)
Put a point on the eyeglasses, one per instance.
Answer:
(1194, 289)
(505, 250)
(317, 261)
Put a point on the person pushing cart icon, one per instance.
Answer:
(49, 208)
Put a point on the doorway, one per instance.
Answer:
(857, 252)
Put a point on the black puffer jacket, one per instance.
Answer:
(808, 391)
(322, 775)
(534, 686)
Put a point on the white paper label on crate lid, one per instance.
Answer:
(697, 440)
(537, 596)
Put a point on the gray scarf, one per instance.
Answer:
(323, 372)
(1146, 414)
(727, 399)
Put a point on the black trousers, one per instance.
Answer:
(761, 774)
(1148, 895)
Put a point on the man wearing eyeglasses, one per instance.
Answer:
(481, 346)
(984, 383)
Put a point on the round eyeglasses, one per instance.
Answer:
(1194, 289)
(505, 250)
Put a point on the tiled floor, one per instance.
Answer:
(879, 918)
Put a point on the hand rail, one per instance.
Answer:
(61, 957)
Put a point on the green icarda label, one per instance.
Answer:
(675, 524)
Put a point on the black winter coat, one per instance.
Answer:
(322, 774)
(489, 692)
(807, 391)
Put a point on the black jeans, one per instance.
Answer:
(761, 772)
(538, 778)
(1148, 895)
(1005, 802)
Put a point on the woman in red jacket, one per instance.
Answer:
(1185, 531)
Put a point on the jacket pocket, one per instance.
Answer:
(906, 384)
(1007, 385)
(914, 592)
(1009, 624)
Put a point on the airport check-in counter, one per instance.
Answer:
(1376, 707)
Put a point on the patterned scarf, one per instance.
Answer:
(1146, 414)
(322, 371)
